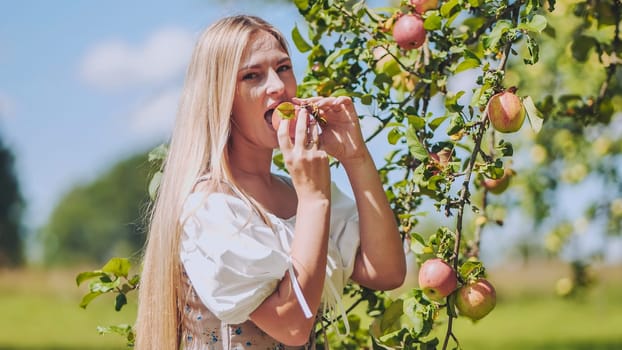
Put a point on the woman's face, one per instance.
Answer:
(264, 80)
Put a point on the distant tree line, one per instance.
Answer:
(101, 219)
(11, 208)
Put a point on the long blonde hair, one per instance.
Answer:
(198, 146)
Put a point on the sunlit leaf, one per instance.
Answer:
(299, 41)
(533, 115)
(117, 266)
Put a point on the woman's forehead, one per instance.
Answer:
(260, 44)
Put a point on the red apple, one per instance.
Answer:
(476, 299)
(437, 279)
(506, 112)
(422, 6)
(408, 32)
(498, 186)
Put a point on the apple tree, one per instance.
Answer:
(443, 85)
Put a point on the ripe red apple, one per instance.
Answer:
(506, 112)
(437, 279)
(422, 6)
(498, 186)
(408, 32)
(476, 299)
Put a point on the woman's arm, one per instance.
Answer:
(281, 315)
(380, 262)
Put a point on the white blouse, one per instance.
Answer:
(234, 260)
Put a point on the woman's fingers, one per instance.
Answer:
(285, 142)
(313, 141)
(300, 138)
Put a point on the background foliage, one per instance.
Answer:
(98, 220)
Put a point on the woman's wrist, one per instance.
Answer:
(356, 161)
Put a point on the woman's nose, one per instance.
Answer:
(274, 84)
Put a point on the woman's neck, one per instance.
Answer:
(250, 164)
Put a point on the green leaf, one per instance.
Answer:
(436, 122)
(122, 329)
(104, 286)
(534, 51)
(391, 68)
(447, 8)
(533, 114)
(338, 53)
(341, 92)
(433, 22)
(120, 300)
(471, 269)
(467, 64)
(88, 298)
(492, 40)
(417, 243)
(537, 24)
(451, 102)
(373, 15)
(299, 41)
(117, 267)
(456, 123)
(389, 321)
(505, 148)
(84, 276)
(394, 135)
(302, 4)
(416, 122)
(581, 47)
(414, 146)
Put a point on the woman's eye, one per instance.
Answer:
(284, 68)
(249, 76)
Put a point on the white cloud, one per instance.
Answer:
(116, 64)
(154, 117)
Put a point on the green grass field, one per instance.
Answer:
(40, 311)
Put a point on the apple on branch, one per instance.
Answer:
(476, 299)
(422, 6)
(437, 279)
(408, 32)
(498, 186)
(506, 111)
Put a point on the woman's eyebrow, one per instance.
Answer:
(258, 65)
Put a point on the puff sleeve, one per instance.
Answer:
(229, 255)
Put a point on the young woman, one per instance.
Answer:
(238, 257)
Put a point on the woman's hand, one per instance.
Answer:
(341, 137)
(305, 158)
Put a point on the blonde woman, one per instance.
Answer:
(237, 257)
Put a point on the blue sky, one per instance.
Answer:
(84, 83)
